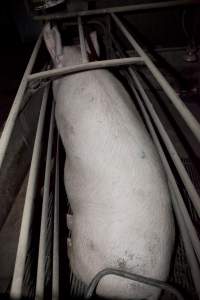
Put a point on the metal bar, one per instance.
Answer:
(135, 277)
(55, 271)
(82, 41)
(85, 67)
(192, 260)
(187, 116)
(117, 9)
(10, 122)
(40, 283)
(17, 281)
(169, 145)
(177, 161)
(190, 226)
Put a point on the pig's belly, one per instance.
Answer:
(117, 190)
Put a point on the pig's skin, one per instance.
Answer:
(115, 183)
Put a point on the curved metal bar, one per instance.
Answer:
(55, 73)
(135, 277)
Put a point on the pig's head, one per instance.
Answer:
(67, 55)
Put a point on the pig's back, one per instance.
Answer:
(115, 185)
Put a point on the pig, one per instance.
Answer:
(122, 216)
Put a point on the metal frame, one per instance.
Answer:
(117, 9)
(188, 232)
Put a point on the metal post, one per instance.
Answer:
(17, 281)
(55, 267)
(116, 9)
(82, 41)
(9, 125)
(40, 283)
(85, 67)
(187, 116)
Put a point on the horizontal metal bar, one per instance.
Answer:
(85, 67)
(82, 41)
(55, 266)
(10, 122)
(135, 277)
(187, 116)
(192, 260)
(19, 270)
(116, 9)
(40, 282)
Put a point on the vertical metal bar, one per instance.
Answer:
(17, 282)
(40, 282)
(82, 41)
(192, 260)
(187, 116)
(55, 272)
(10, 122)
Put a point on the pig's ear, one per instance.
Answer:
(53, 43)
(94, 40)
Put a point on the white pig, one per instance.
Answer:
(116, 186)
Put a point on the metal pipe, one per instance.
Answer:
(190, 226)
(54, 73)
(40, 283)
(55, 267)
(178, 163)
(18, 275)
(82, 41)
(169, 145)
(135, 277)
(192, 260)
(117, 9)
(187, 116)
(10, 122)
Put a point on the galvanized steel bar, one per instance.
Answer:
(19, 270)
(187, 116)
(170, 147)
(190, 226)
(192, 260)
(116, 9)
(40, 282)
(55, 267)
(82, 41)
(10, 122)
(85, 67)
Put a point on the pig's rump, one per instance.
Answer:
(115, 185)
